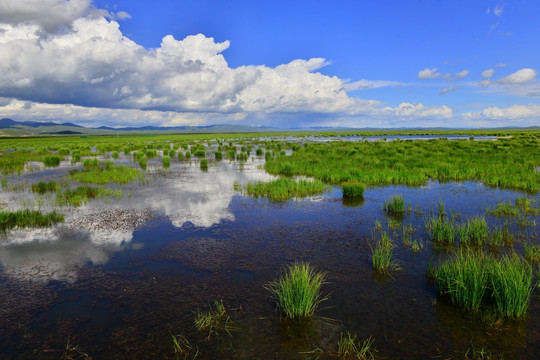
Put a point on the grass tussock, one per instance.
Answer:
(441, 230)
(28, 219)
(352, 189)
(476, 281)
(382, 254)
(284, 188)
(396, 205)
(43, 187)
(104, 173)
(298, 291)
(474, 232)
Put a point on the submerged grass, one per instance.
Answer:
(183, 349)
(284, 188)
(214, 320)
(350, 348)
(28, 218)
(475, 280)
(297, 291)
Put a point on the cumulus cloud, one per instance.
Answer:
(95, 65)
(122, 15)
(519, 77)
(525, 113)
(49, 14)
(428, 73)
(498, 10)
(486, 74)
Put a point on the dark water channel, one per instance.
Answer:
(122, 275)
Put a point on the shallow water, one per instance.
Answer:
(118, 277)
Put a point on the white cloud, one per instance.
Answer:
(485, 82)
(524, 113)
(519, 77)
(500, 65)
(498, 10)
(462, 74)
(418, 110)
(369, 84)
(122, 15)
(428, 73)
(449, 89)
(486, 74)
(50, 14)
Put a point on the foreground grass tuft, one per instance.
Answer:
(297, 291)
(475, 280)
(382, 254)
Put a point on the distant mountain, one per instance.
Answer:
(6, 123)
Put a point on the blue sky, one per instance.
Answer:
(381, 63)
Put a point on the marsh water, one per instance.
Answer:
(121, 275)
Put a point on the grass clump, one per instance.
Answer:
(349, 348)
(352, 189)
(43, 187)
(475, 231)
(284, 188)
(183, 349)
(204, 164)
(396, 205)
(441, 230)
(382, 254)
(51, 161)
(475, 280)
(28, 219)
(297, 291)
(532, 252)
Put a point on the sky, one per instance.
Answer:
(286, 64)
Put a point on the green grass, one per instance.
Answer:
(51, 161)
(214, 320)
(204, 164)
(532, 252)
(352, 189)
(166, 160)
(298, 291)
(43, 187)
(507, 163)
(350, 348)
(475, 231)
(183, 349)
(441, 230)
(381, 256)
(477, 281)
(28, 219)
(80, 195)
(284, 188)
(104, 173)
(396, 205)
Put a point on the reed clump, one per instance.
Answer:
(396, 205)
(298, 291)
(43, 187)
(382, 254)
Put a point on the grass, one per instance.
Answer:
(43, 187)
(183, 348)
(80, 195)
(214, 320)
(477, 281)
(204, 164)
(284, 188)
(104, 173)
(382, 254)
(51, 161)
(349, 348)
(297, 292)
(475, 231)
(28, 219)
(441, 230)
(352, 189)
(506, 163)
(532, 252)
(396, 205)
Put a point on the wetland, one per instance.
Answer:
(188, 246)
